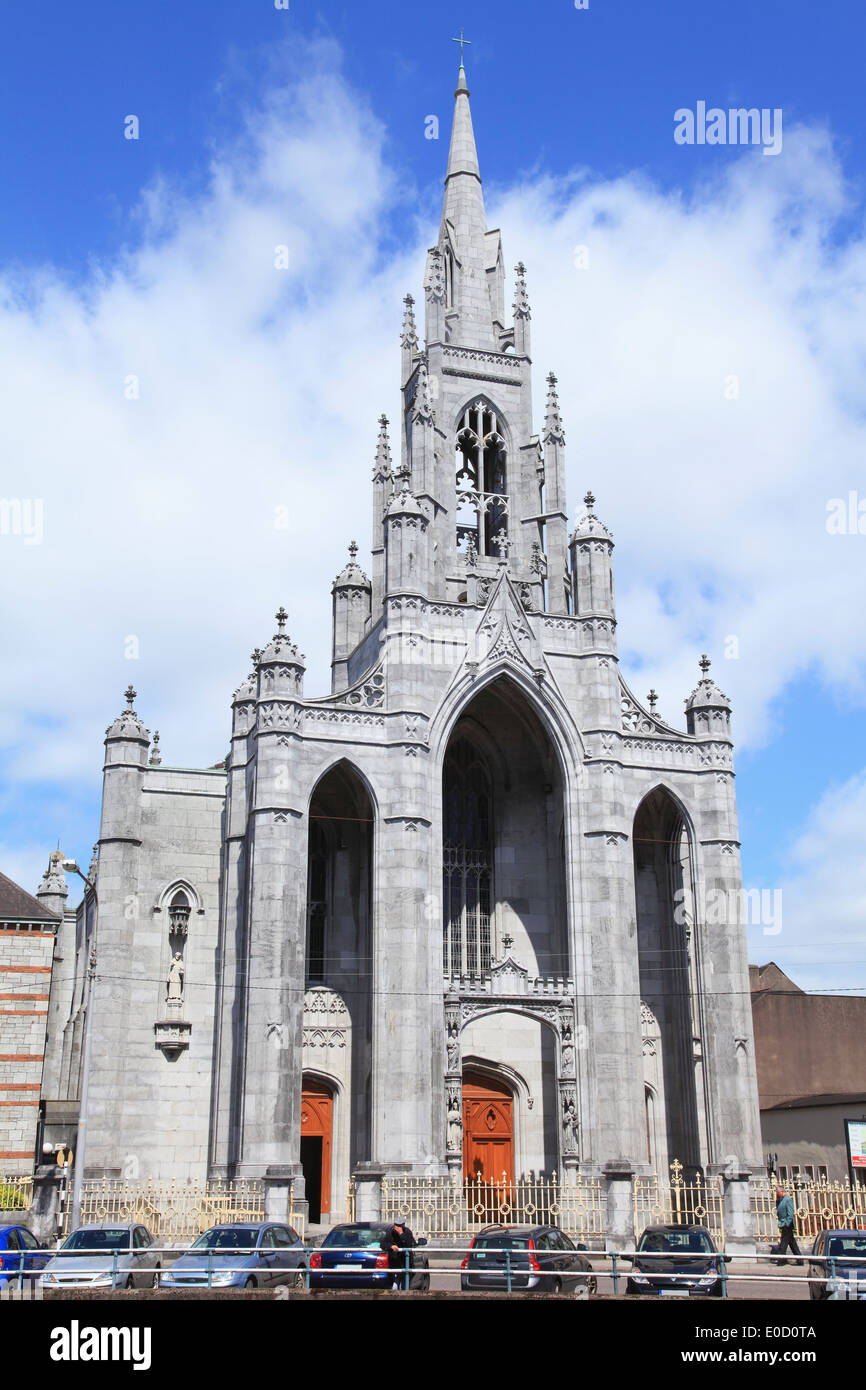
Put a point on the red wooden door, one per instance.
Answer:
(317, 1107)
(488, 1128)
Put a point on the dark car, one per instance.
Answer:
(20, 1254)
(844, 1278)
(257, 1255)
(676, 1260)
(541, 1259)
(351, 1257)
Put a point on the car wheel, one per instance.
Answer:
(130, 1282)
(155, 1282)
(556, 1286)
(591, 1286)
(252, 1283)
(299, 1282)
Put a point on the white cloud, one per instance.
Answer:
(821, 944)
(261, 387)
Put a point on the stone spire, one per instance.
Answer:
(553, 430)
(382, 464)
(463, 205)
(408, 337)
(522, 313)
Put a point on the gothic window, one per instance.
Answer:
(317, 905)
(467, 862)
(178, 914)
(482, 483)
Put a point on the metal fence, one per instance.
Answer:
(173, 1210)
(674, 1201)
(443, 1209)
(818, 1206)
(16, 1193)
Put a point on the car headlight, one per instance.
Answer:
(49, 1278)
(166, 1278)
(639, 1279)
(224, 1276)
(706, 1279)
(105, 1278)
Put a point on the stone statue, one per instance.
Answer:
(455, 1123)
(174, 994)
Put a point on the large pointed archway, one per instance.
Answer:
(664, 901)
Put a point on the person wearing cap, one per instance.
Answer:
(396, 1239)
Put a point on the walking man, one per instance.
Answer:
(785, 1217)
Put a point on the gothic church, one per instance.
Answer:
(445, 919)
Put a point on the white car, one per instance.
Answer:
(117, 1256)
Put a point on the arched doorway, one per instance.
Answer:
(317, 1116)
(488, 1128)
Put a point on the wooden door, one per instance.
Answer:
(488, 1128)
(317, 1108)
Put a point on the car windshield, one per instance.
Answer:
(223, 1239)
(354, 1237)
(677, 1242)
(103, 1238)
(846, 1245)
(501, 1242)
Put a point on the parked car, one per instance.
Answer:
(20, 1251)
(254, 1255)
(350, 1257)
(119, 1256)
(542, 1260)
(677, 1260)
(845, 1279)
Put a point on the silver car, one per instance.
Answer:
(117, 1256)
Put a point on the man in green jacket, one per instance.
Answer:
(785, 1217)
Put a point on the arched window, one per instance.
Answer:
(482, 482)
(178, 914)
(467, 861)
(317, 905)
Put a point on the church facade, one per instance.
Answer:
(448, 918)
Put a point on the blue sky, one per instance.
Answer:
(124, 256)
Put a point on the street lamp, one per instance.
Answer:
(69, 866)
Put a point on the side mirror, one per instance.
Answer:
(581, 1246)
(727, 1259)
(422, 1241)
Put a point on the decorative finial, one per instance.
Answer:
(353, 550)
(705, 665)
(652, 700)
(155, 756)
(282, 617)
(502, 543)
(461, 42)
(129, 696)
(471, 551)
(507, 941)
(537, 562)
(256, 655)
(382, 464)
(589, 502)
(553, 430)
(409, 336)
(521, 297)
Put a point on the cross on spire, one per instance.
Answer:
(282, 617)
(705, 665)
(129, 695)
(461, 42)
(589, 501)
(652, 699)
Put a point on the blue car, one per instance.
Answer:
(350, 1257)
(255, 1255)
(19, 1249)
